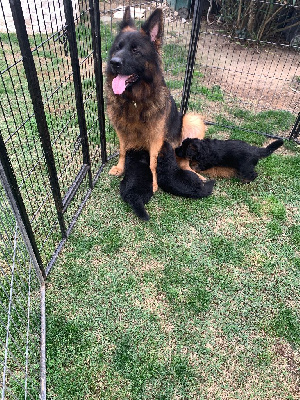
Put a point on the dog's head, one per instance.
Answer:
(138, 156)
(135, 54)
(188, 149)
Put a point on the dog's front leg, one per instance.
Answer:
(118, 170)
(153, 152)
(153, 164)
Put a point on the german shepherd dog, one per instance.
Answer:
(235, 154)
(139, 103)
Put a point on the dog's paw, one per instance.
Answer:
(203, 179)
(155, 187)
(116, 171)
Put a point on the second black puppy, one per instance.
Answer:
(235, 154)
(136, 188)
(174, 180)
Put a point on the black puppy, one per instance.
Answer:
(136, 188)
(174, 180)
(235, 154)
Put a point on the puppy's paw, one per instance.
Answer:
(116, 170)
(203, 179)
(155, 187)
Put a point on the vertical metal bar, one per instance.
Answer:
(38, 106)
(43, 343)
(9, 317)
(71, 34)
(10, 185)
(296, 129)
(191, 55)
(96, 39)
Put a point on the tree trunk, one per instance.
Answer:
(251, 21)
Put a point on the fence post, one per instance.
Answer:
(38, 106)
(71, 35)
(191, 55)
(96, 38)
(296, 129)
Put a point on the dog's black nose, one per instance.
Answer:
(116, 63)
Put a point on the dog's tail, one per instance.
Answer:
(193, 126)
(136, 203)
(266, 151)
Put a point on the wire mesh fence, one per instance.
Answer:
(55, 139)
(21, 309)
(247, 77)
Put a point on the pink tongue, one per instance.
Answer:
(119, 84)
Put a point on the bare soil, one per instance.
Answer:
(267, 76)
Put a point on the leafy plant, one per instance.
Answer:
(259, 20)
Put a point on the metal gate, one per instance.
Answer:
(53, 124)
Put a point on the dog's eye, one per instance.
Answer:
(119, 46)
(134, 49)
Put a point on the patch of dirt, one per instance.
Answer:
(265, 76)
(291, 361)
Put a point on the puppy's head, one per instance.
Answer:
(188, 149)
(135, 54)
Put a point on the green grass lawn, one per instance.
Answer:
(201, 302)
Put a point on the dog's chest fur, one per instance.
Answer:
(139, 118)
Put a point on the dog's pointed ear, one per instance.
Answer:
(153, 27)
(127, 21)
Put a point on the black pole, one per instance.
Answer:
(12, 190)
(71, 34)
(296, 129)
(191, 55)
(96, 38)
(38, 106)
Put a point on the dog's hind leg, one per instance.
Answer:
(247, 174)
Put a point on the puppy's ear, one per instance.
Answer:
(127, 20)
(153, 27)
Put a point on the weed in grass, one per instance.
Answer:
(295, 235)
(174, 84)
(226, 251)
(213, 94)
(274, 228)
(285, 324)
(174, 57)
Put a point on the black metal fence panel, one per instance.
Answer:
(52, 116)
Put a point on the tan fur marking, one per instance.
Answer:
(128, 29)
(219, 172)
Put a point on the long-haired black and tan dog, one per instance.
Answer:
(236, 154)
(139, 103)
(136, 188)
(172, 179)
